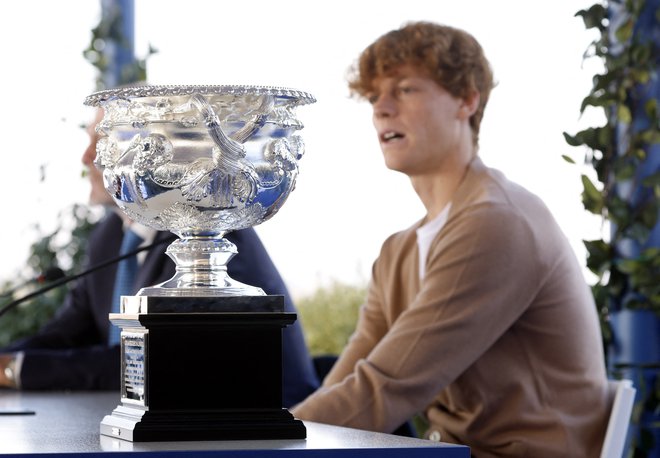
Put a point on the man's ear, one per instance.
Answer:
(469, 105)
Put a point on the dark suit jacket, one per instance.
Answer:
(71, 351)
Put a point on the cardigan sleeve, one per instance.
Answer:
(481, 276)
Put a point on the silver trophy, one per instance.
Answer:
(200, 161)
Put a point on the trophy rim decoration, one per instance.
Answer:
(298, 97)
(201, 253)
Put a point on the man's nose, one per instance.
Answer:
(90, 153)
(384, 106)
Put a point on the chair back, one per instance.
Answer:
(623, 394)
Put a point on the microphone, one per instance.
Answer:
(57, 277)
(51, 274)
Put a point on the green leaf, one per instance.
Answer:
(624, 32)
(649, 214)
(593, 17)
(604, 136)
(639, 54)
(638, 232)
(596, 100)
(639, 153)
(616, 283)
(571, 140)
(589, 137)
(599, 98)
(568, 159)
(653, 254)
(603, 82)
(650, 136)
(598, 138)
(623, 114)
(642, 76)
(591, 197)
(600, 254)
(624, 171)
(652, 180)
(651, 108)
(620, 212)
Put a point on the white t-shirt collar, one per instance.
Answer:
(426, 234)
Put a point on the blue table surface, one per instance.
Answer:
(68, 423)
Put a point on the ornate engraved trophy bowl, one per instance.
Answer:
(199, 161)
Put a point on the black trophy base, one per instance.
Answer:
(137, 425)
(203, 374)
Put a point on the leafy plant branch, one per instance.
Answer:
(626, 193)
(628, 272)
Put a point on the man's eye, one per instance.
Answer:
(372, 98)
(406, 89)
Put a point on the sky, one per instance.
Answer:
(346, 202)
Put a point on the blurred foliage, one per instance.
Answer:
(64, 246)
(329, 315)
(625, 193)
(616, 152)
(106, 34)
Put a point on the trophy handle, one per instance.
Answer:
(257, 121)
(233, 143)
(230, 155)
(229, 147)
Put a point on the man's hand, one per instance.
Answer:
(6, 360)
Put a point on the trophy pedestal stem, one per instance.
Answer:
(210, 374)
(201, 270)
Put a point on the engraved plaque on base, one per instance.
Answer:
(134, 346)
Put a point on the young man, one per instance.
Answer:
(478, 315)
(74, 351)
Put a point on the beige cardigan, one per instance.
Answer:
(499, 344)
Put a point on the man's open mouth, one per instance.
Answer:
(390, 135)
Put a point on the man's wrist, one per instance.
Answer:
(10, 371)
